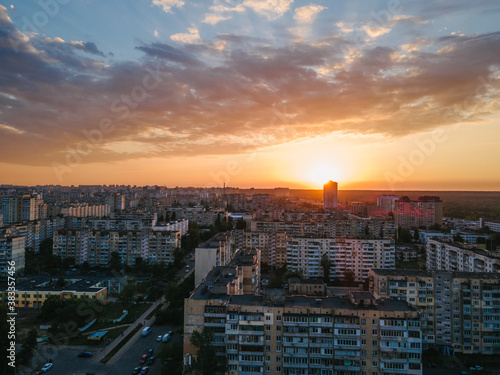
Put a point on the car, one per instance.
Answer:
(146, 331)
(464, 373)
(159, 337)
(170, 333)
(479, 368)
(85, 354)
(150, 360)
(46, 367)
(166, 337)
(143, 360)
(136, 371)
(144, 370)
(150, 352)
(187, 271)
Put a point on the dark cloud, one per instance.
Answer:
(231, 95)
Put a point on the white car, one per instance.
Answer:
(46, 367)
(159, 338)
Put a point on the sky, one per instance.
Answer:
(389, 95)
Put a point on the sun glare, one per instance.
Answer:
(320, 174)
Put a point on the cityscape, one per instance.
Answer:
(249, 187)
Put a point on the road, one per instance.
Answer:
(66, 361)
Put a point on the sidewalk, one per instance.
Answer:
(99, 357)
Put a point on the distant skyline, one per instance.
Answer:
(376, 95)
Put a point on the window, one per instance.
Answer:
(375, 364)
(363, 331)
(268, 348)
(374, 342)
(268, 328)
(268, 338)
(374, 321)
(374, 332)
(278, 328)
(375, 353)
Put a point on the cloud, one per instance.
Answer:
(167, 5)
(192, 37)
(222, 12)
(248, 94)
(270, 8)
(308, 13)
(375, 31)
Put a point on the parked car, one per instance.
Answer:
(150, 361)
(149, 353)
(146, 331)
(159, 337)
(143, 360)
(136, 371)
(166, 337)
(85, 354)
(144, 370)
(46, 367)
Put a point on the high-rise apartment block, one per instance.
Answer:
(11, 249)
(424, 212)
(345, 254)
(96, 247)
(330, 196)
(459, 311)
(387, 202)
(303, 335)
(454, 256)
(20, 208)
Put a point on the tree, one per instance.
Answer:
(206, 360)
(115, 262)
(127, 294)
(349, 277)
(241, 223)
(416, 235)
(28, 347)
(326, 264)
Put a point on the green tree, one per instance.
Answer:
(326, 264)
(416, 235)
(241, 223)
(115, 262)
(349, 278)
(28, 347)
(127, 294)
(206, 362)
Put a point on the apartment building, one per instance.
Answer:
(306, 335)
(18, 208)
(423, 212)
(11, 249)
(454, 256)
(217, 251)
(95, 247)
(493, 225)
(460, 311)
(345, 254)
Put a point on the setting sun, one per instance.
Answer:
(319, 174)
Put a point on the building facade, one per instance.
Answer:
(345, 254)
(454, 256)
(460, 311)
(423, 212)
(330, 195)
